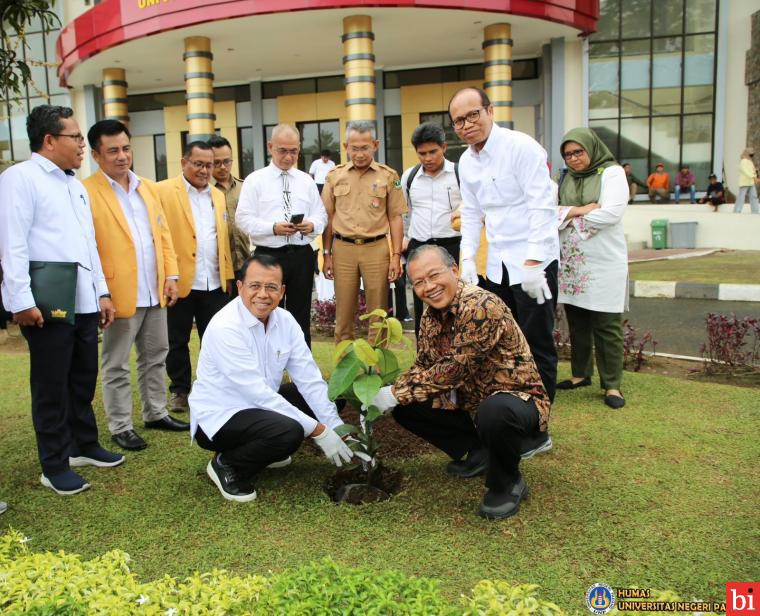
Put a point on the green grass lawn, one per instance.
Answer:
(662, 494)
(736, 267)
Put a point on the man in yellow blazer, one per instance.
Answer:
(137, 254)
(197, 217)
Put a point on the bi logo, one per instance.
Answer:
(600, 598)
(741, 600)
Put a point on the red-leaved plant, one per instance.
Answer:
(633, 347)
(732, 343)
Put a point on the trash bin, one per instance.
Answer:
(683, 234)
(659, 233)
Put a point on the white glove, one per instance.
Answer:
(333, 447)
(469, 272)
(384, 400)
(534, 283)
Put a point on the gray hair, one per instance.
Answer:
(284, 128)
(361, 126)
(444, 254)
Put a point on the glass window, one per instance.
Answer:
(700, 15)
(475, 72)
(5, 139)
(634, 78)
(697, 145)
(609, 20)
(668, 17)
(334, 83)
(666, 75)
(634, 145)
(159, 148)
(245, 151)
(607, 131)
(455, 146)
(392, 143)
(267, 138)
(318, 136)
(603, 80)
(636, 18)
(666, 139)
(35, 58)
(524, 69)
(20, 140)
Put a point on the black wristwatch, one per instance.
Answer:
(108, 295)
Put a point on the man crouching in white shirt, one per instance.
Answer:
(238, 407)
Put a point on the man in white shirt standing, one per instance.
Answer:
(321, 167)
(238, 407)
(506, 185)
(137, 253)
(281, 210)
(44, 219)
(432, 199)
(197, 216)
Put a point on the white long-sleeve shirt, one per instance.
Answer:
(261, 205)
(430, 202)
(136, 213)
(206, 248)
(45, 216)
(240, 367)
(507, 183)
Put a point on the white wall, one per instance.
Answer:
(574, 92)
(722, 230)
(143, 156)
(739, 40)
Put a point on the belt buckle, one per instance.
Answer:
(359, 241)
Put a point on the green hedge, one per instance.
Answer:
(65, 585)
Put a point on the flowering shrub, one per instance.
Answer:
(731, 342)
(64, 585)
(323, 315)
(633, 347)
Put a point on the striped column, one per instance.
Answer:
(115, 95)
(497, 60)
(199, 88)
(359, 68)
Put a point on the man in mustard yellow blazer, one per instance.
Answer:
(140, 267)
(197, 217)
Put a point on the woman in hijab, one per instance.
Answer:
(593, 279)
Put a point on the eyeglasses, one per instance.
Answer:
(218, 164)
(198, 165)
(78, 137)
(359, 149)
(433, 278)
(287, 151)
(573, 154)
(270, 287)
(471, 117)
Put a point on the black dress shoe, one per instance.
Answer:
(129, 439)
(614, 402)
(230, 484)
(497, 506)
(168, 423)
(568, 384)
(474, 463)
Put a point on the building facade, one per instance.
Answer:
(660, 81)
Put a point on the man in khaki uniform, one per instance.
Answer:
(240, 245)
(364, 201)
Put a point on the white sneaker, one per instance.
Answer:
(542, 448)
(3, 507)
(280, 463)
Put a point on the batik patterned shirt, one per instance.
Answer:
(471, 351)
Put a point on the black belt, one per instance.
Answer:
(359, 240)
(440, 241)
(287, 248)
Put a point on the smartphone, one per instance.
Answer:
(296, 219)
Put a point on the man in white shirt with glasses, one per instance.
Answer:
(239, 408)
(506, 185)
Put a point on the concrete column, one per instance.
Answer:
(557, 108)
(359, 68)
(257, 125)
(199, 88)
(497, 60)
(115, 95)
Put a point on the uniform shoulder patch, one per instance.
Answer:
(397, 184)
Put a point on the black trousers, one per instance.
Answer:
(63, 372)
(451, 244)
(503, 422)
(254, 438)
(199, 306)
(298, 275)
(535, 320)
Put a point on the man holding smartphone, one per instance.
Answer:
(281, 210)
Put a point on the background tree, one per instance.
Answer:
(15, 17)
